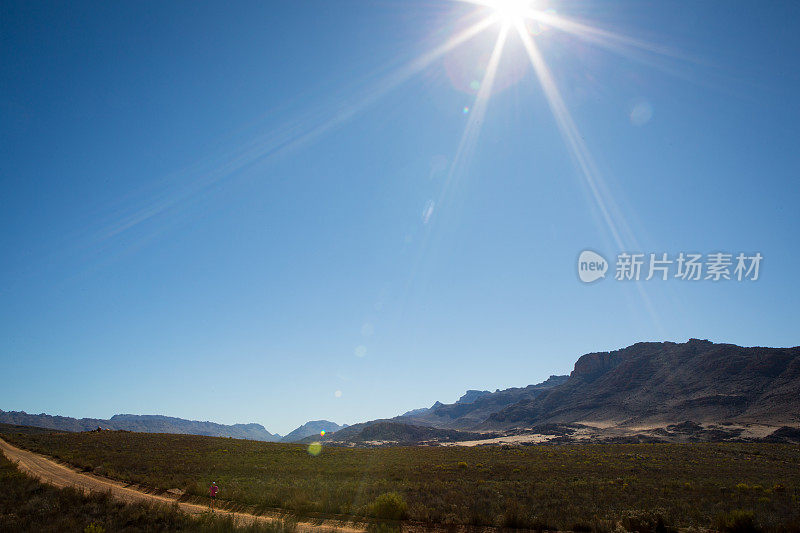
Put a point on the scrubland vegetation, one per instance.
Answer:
(585, 487)
(27, 505)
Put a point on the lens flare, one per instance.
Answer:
(530, 22)
(641, 113)
(314, 449)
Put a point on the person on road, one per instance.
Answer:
(212, 491)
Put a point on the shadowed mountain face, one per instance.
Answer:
(140, 423)
(654, 383)
(476, 406)
(312, 428)
(661, 385)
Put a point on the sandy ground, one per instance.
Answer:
(598, 431)
(535, 438)
(52, 473)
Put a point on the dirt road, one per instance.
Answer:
(53, 473)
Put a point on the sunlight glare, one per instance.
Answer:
(511, 11)
(569, 130)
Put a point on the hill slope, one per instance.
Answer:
(476, 406)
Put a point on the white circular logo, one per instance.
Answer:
(591, 266)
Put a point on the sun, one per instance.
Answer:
(510, 12)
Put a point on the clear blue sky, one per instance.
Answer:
(231, 212)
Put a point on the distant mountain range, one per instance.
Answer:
(140, 423)
(390, 431)
(476, 406)
(441, 422)
(697, 390)
(312, 428)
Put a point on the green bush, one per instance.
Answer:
(390, 505)
(737, 521)
(94, 527)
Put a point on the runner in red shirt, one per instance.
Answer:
(213, 490)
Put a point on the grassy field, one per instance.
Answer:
(27, 505)
(570, 487)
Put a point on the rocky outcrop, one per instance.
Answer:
(670, 382)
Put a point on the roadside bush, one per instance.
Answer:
(383, 527)
(515, 516)
(391, 506)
